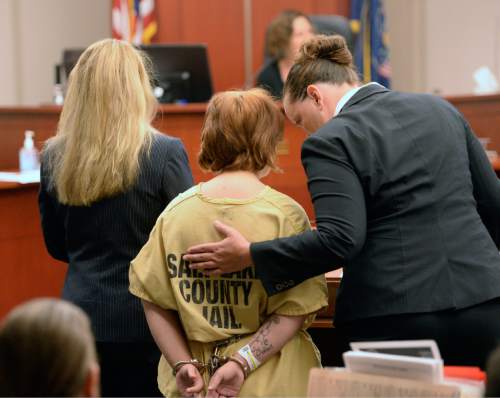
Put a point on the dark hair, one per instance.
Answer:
(493, 374)
(322, 59)
(279, 32)
(241, 131)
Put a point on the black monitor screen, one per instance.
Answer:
(70, 58)
(180, 71)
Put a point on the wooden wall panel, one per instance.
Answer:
(168, 14)
(27, 269)
(218, 23)
(338, 7)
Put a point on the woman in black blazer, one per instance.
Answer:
(405, 201)
(106, 176)
(284, 36)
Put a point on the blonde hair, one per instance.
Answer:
(46, 349)
(241, 131)
(105, 124)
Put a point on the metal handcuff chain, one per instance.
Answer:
(215, 361)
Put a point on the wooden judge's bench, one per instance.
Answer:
(27, 269)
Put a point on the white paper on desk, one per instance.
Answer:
(412, 348)
(486, 83)
(406, 367)
(22, 177)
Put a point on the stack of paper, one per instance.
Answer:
(406, 367)
(412, 368)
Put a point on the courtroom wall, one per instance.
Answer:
(33, 34)
(461, 36)
(8, 78)
(405, 21)
(437, 44)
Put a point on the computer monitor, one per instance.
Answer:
(69, 60)
(181, 72)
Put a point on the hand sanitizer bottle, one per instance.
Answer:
(28, 155)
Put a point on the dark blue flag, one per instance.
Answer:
(371, 53)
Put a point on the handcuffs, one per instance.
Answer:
(216, 360)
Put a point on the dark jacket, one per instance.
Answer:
(269, 78)
(399, 184)
(100, 240)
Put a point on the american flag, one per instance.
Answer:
(134, 20)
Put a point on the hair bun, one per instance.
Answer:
(332, 48)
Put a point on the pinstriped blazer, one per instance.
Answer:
(99, 241)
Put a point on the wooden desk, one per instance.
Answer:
(483, 114)
(28, 270)
(183, 121)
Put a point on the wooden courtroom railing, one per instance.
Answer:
(483, 114)
(28, 271)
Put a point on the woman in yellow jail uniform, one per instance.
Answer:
(254, 345)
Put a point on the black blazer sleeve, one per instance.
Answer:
(486, 185)
(52, 225)
(177, 175)
(339, 205)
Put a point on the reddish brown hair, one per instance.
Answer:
(241, 131)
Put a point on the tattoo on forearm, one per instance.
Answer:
(260, 344)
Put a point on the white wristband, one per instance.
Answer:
(246, 352)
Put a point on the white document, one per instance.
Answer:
(22, 177)
(424, 369)
(412, 348)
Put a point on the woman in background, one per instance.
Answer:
(47, 350)
(216, 332)
(284, 37)
(105, 178)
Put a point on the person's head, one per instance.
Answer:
(493, 374)
(321, 75)
(286, 34)
(47, 349)
(241, 131)
(104, 124)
